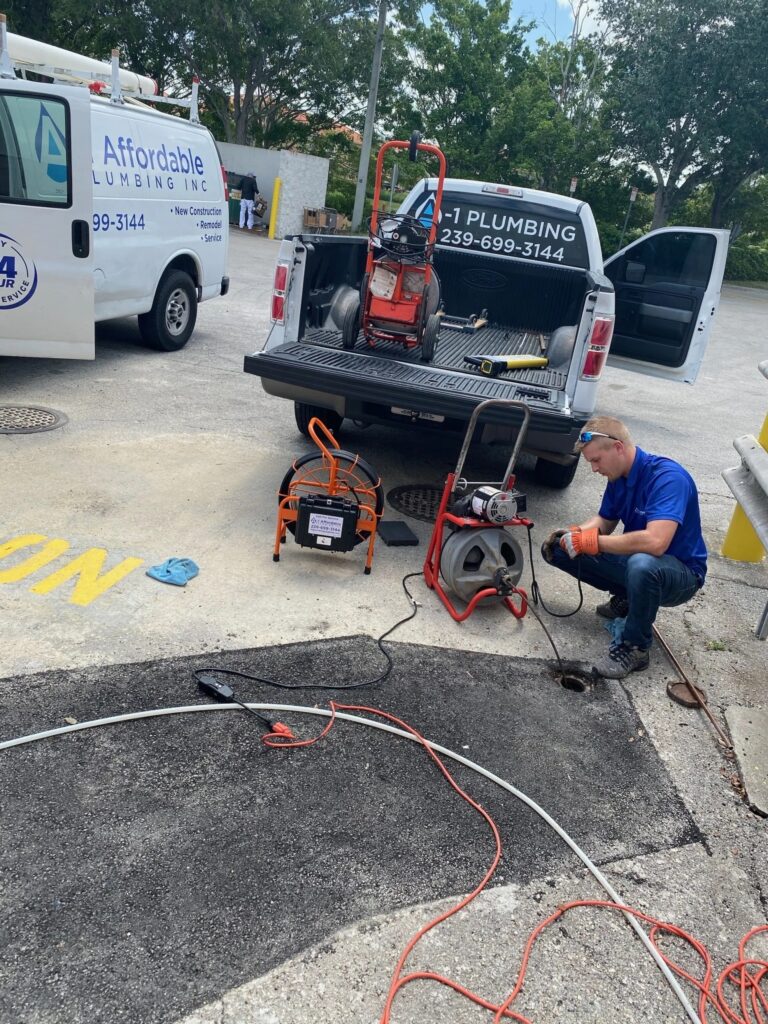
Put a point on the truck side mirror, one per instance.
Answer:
(634, 273)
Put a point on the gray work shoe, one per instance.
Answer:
(620, 660)
(615, 608)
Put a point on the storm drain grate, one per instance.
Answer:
(419, 501)
(29, 419)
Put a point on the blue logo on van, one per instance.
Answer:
(51, 146)
(18, 275)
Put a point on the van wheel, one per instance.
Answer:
(304, 413)
(555, 474)
(170, 322)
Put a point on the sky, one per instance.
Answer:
(553, 18)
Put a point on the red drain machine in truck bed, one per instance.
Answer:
(400, 294)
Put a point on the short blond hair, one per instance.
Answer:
(605, 425)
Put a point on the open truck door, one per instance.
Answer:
(46, 206)
(667, 287)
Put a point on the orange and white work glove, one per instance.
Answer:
(580, 542)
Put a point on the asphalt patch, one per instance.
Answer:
(149, 867)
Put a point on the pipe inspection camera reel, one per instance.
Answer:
(331, 500)
(473, 553)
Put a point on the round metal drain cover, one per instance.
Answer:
(29, 419)
(419, 501)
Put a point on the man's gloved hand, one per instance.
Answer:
(549, 543)
(580, 542)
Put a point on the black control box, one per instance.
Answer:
(326, 523)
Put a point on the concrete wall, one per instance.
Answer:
(304, 180)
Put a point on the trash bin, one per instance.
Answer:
(234, 206)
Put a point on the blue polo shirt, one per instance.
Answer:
(659, 488)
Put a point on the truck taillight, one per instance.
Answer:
(597, 350)
(278, 293)
(226, 186)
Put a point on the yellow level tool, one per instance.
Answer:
(491, 366)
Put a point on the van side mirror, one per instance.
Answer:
(634, 273)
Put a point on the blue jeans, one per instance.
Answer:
(646, 581)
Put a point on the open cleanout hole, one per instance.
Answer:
(571, 682)
(574, 676)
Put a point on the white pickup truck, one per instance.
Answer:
(533, 261)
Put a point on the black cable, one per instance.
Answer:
(536, 597)
(198, 672)
(560, 666)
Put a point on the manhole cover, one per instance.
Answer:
(419, 501)
(28, 419)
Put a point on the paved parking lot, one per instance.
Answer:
(181, 455)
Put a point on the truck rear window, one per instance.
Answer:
(506, 226)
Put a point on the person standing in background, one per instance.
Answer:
(249, 189)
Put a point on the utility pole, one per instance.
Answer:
(632, 198)
(370, 117)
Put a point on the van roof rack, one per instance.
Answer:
(23, 55)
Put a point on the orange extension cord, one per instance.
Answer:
(744, 975)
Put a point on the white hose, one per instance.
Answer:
(323, 713)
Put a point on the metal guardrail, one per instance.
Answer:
(749, 484)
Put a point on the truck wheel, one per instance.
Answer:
(555, 474)
(304, 413)
(170, 322)
(429, 339)
(350, 326)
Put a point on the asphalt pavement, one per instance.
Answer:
(174, 870)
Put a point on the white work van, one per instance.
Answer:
(108, 207)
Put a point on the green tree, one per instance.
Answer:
(274, 73)
(148, 34)
(745, 213)
(269, 73)
(549, 129)
(464, 59)
(31, 18)
(688, 92)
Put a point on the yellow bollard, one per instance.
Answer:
(275, 204)
(741, 543)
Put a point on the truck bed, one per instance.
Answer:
(453, 345)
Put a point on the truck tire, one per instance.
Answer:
(429, 339)
(350, 327)
(304, 413)
(555, 474)
(169, 324)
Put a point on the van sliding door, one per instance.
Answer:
(46, 263)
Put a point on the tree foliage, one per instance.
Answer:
(463, 59)
(549, 128)
(672, 97)
(686, 80)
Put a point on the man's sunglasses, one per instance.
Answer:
(586, 436)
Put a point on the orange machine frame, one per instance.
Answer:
(334, 480)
